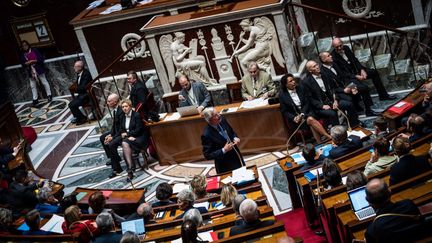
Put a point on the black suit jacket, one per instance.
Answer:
(213, 142)
(136, 126)
(353, 143)
(246, 227)
(116, 121)
(138, 95)
(349, 70)
(86, 78)
(5, 157)
(408, 166)
(394, 228)
(288, 107)
(317, 97)
(336, 82)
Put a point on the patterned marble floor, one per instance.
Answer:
(74, 156)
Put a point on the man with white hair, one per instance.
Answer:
(257, 83)
(194, 215)
(186, 201)
(250, 213)
(220, 142)
(83, 78)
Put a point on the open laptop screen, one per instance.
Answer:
(136, 226)
(358, 198)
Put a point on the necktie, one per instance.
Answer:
(222, 132)
(78, 78)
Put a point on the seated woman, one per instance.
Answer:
(164, 192)
(380, 158)
(133, 133)
(331, 174)
(199, 185)
(355, 180)
(97, 203)
(48, 204)
(228, 193)
(189, 232)
(73, 224)
(295, 108)
(408, 165)
(185, 201)
(309, 154)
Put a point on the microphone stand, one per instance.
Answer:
(346, 117)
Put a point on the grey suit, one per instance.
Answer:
(201, 93)
(263, 85)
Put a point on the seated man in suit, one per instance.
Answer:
(312, 159)
(353, 70)
(294, 107)
(186, 201)
(346, 89)
(257, 84)
(343, 145)
(388, 227)
(83, 78)
(144, 211)
(108, 139)
(139, 95)
(250, 213)
(193, 93)
(220, 142)
(164, 192)
(408, 165)
(319, 94)
(106, 227)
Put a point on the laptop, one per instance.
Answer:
(360, 205)
(187, 111)
(136, 226)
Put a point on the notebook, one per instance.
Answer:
(360, 205)
(136, 226)
(187, 111)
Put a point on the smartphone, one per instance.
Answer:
(172, 213)
(220, 235)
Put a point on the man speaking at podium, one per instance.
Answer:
(220, 142)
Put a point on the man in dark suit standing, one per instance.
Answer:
(320, 94)
(352, 68)
(394, 222)
(139, 91)
(346, 89)
(342, 143)
(108, 139)
(193, 93)
(220, 142)
(83, 78)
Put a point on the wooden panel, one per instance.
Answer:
(260, 130)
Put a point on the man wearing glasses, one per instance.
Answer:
(257, 84)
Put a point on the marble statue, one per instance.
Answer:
(182, 60)
(261, 44)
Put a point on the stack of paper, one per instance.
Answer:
(112, 9)
(242, 175)
(254, 103)
(95, 4)
(203, 204)
(179, 187)
(54, 224)
(173, 117)
(359, 134)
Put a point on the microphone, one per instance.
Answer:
(235, 150)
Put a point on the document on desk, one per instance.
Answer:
(112, 9)
(54, 224)
(162, 115)
(242, 174)
(359, 134)
(202, 204)
(180, 186)
(173, 117)
(254, 103)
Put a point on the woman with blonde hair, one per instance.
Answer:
(74, 224)
(199, 186)
(228, 193)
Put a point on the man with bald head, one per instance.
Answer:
(346, 89)
(388, 227)
(257, 84)
(352, 68)
(144, 211)
(109, 142)
(82, 79)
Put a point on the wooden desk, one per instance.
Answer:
(123, 201)
(260, 130)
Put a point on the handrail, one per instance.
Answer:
(347, 17)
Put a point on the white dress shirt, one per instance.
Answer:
(295, 97)
(128, 118)
(320, 82)
(331, 68)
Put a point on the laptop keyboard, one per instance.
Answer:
(365, 213)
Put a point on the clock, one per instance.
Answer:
(21, 3)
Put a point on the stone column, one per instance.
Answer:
(159, 64)
(286, 46)
(86, 50)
